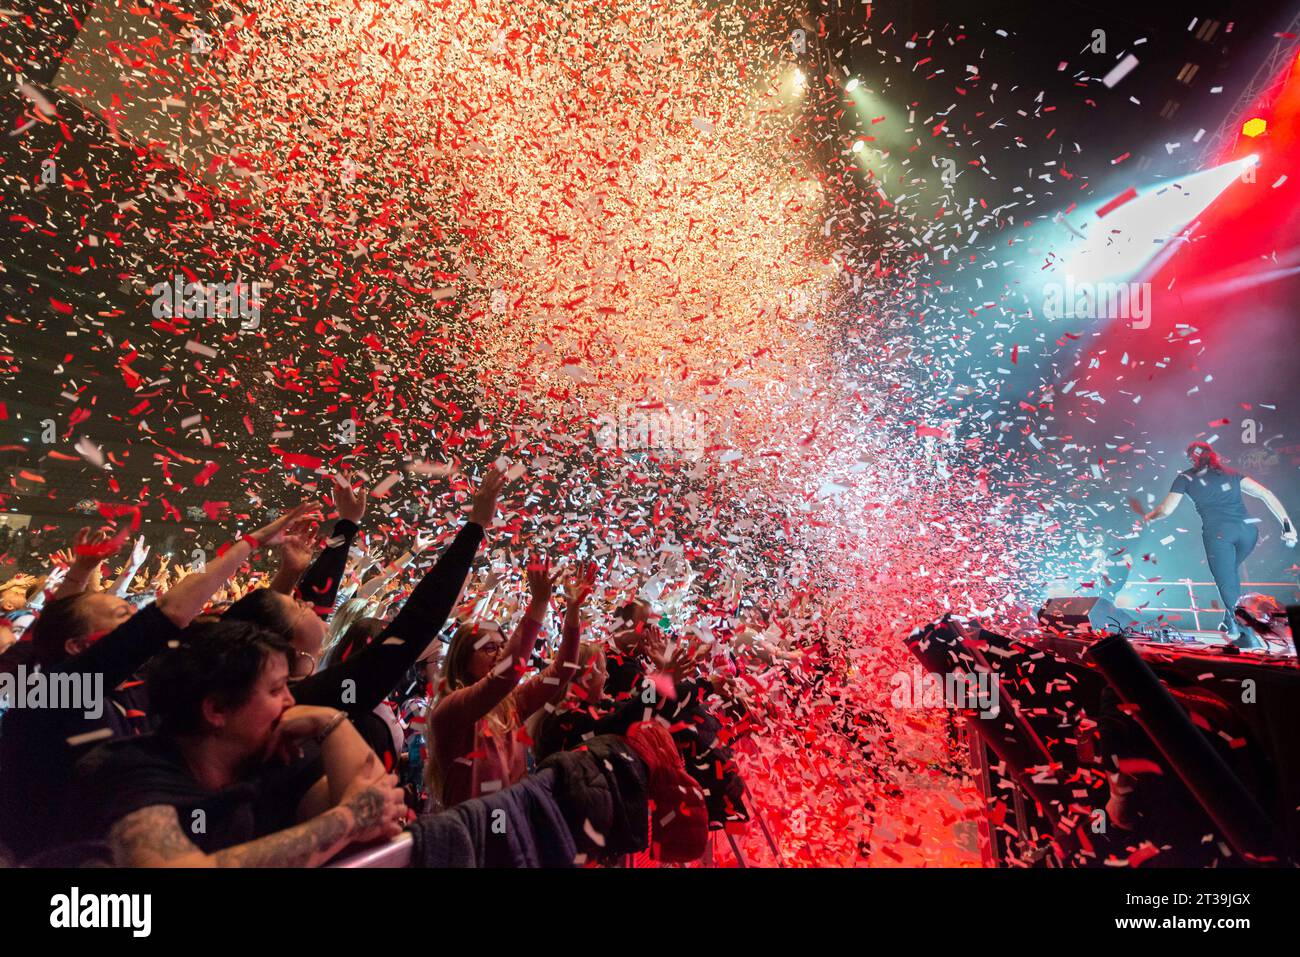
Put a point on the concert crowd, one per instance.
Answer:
(307, 691)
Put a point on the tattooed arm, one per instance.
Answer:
(344, 753)
(153, 837)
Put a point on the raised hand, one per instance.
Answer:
(655, 643)
(273, 532)
(139, 552)
(350, 503)
(684, 659)
(377, 804)
(297, 545)
(92, 547)
(579, 586)
(541, 582)
(89, 550)
(484, 505)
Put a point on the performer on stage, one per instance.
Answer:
(1226, 529)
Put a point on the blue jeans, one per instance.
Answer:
(1226, 547)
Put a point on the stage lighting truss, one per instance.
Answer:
(1249, 103)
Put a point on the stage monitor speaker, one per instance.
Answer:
(1077, 614)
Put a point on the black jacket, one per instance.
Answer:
(40, 747)
(602, 791)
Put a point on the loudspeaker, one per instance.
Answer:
(1077, 614)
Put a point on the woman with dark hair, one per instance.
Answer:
(232, 778)
(292, 618)
(105, 640)
(364, 678)
(1228, 532)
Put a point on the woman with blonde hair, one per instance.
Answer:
(475, 742)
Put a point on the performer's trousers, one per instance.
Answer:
(1226, 547)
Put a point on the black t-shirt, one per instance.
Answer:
(1216, 494)
(124, 776)
(376, 733)
(39, 747)
(571, 724)
(626, 672)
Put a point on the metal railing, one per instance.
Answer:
(1192, 607)
(394, 853)
(397, 852)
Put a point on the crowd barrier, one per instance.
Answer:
(397, 852)
(393, 853)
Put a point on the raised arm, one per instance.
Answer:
(1165, 508)
(1255, 490)
(123, 650)
(296, 548)
(554, 680)
(371, 674)
(90, 550)
(320, 583)
(462, 707)
(139, 554)
(377, 581)
(185, 599)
